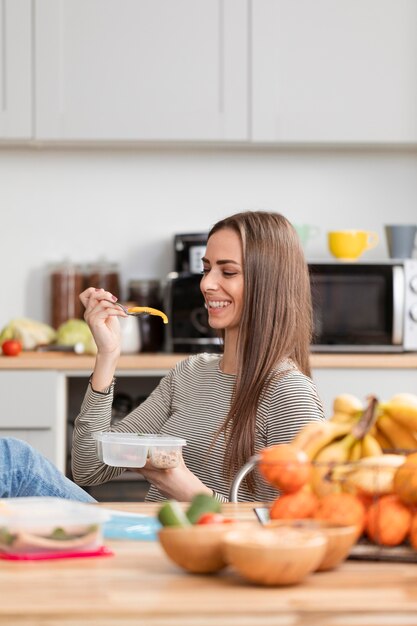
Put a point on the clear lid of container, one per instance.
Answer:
(32, 513)
(141, 439)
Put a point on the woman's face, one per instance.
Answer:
(222, 282)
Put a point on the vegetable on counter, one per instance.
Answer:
(202, 503)
(74, 332)
(28, 332)
(214, 518)
(11, 347)
(202, 507)
(171, 514)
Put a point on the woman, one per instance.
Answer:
(257, 393)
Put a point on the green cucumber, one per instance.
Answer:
(171, 514)
(202, 503)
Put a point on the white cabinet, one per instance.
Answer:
(261, 71)
(33, 408)
(326, 71)
(15, 69)
(362, 382)
(125, 70)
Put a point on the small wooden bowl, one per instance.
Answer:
(197, 549)
(268, 557)
(340, 539)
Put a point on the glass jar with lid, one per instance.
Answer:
(67, 282)
(104, 275)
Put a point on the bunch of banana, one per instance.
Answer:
(396, 424)
(347, 407)
(345, 437)
(369, 476)
(317, 436)
(348, 449)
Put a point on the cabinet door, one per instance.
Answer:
(15, 69)
(361, 382)
(141, 69)
(327, 71)
(32, 408)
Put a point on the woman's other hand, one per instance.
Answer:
(101, 315)
(178, 483)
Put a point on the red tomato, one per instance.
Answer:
(11, 347)
(213, 518)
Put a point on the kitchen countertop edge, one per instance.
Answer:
(162, 362)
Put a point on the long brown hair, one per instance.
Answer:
(276, 321)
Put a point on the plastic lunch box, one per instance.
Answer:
(49, 525)
(133, 449)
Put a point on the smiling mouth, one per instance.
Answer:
(217, 304)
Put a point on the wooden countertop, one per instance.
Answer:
(162, 362)
(139, 585)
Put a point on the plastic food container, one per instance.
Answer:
(49, 525)
(133, 449)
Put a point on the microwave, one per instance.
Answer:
(364, 307)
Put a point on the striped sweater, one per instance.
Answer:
(191, 402)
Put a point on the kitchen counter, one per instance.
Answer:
(56, 382)
(139, 585)
(162, 361)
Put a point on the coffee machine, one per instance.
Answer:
(188, 330)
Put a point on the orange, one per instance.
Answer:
(405, 480)
(388, 521)
(298, 505)
(342, 508)
(285, 467)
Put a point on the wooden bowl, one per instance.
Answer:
(340, 539)
(271, 557)
(197, 549)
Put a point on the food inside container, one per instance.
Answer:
(134, 449)
(49, 525)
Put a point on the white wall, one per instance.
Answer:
(126, 204)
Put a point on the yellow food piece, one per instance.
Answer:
(150, 310)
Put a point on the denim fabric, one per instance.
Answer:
(25, 472)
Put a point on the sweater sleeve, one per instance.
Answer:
(293, 403)
(95, 416)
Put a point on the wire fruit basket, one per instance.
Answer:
(378, 495)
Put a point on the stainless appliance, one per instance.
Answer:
(364, 307)
(188, 330)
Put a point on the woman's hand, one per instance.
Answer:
(101, 315)
(178, 483)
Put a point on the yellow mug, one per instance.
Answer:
(348, 245)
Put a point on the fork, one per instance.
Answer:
(126, 310)
(134, 313)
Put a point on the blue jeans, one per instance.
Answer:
(25, 472)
